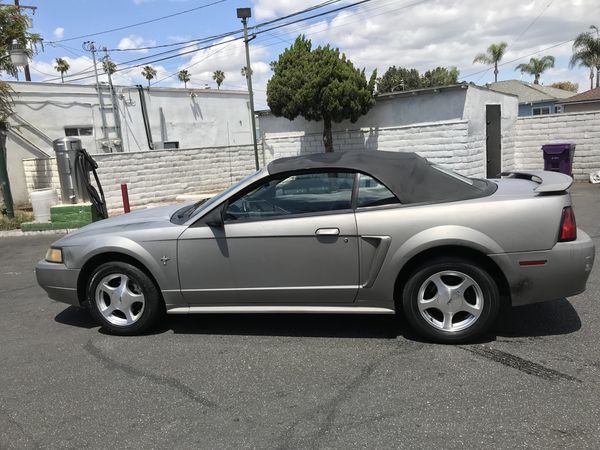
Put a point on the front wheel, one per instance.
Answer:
(123, 299)
(450, 300)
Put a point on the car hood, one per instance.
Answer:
(146, 218)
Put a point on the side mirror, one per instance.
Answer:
(215, 217)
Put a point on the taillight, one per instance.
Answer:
(568, 227)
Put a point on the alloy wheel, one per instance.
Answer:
(119, 299)
(450, 301)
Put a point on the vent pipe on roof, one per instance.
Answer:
(145, 116)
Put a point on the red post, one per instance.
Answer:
(125, 196)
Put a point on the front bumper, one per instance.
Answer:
(564, 274)
(58, 281)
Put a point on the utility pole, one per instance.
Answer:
(115, 108)
(91, 47)
(26, 68)
(244, 13)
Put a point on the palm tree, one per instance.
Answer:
(109, 66)
(244, 72)
(148, 72)
(219, 77)
(536, 67)
(63, 67)
(184, 76)
(493, 56)
(586, 52)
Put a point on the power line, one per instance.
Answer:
(519, 58)
(533, 22)
(139, 23)
(516, 40)
(179, 54)
(230, 33)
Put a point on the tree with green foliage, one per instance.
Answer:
(319, 84)
(184, 76)
(586, 52)
(440, 76)
(109, 66)
(219, 77)
(536, 66)
(148, 72)
(492, 57)
(566, 86)
(6, 103)
(244, 72)
(14, 26)
(398, 79)
(62, 66)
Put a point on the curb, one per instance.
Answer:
(21, 233)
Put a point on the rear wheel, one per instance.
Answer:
(123, 299)
(450, 300)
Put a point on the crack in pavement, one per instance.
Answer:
(164, 380)
(331, 407)
(516, 362)
(8, 291)
(4, 428)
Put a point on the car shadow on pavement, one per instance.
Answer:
(77, 317)
(541, 319)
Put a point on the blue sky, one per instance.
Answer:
(375, 35)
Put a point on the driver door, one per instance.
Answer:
(288, 240)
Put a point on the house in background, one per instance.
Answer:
(586, 101)
(124, 119)
(534, 99)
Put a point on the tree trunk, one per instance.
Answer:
(495, 72)
(536, 79)
(597, 76)
(591, 78)
(327, 138)
(62, 77)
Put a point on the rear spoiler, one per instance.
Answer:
(547, 181)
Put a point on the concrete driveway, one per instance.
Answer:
(295, 381)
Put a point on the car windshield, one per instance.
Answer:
(183, 214)
(453, 174)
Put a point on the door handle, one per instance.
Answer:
(328, 232)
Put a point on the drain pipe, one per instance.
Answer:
(145, 116)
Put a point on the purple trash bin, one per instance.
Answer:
(559, 157)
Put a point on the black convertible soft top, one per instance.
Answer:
(409, 176)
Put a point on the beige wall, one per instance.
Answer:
(582, 107)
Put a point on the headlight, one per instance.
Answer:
(54, 255)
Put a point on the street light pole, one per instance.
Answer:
(244, 13)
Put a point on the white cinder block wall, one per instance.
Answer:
(446, 143)
(582, 129)
(155, 176)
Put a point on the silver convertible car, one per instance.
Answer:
(351, 232)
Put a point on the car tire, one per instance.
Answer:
(450, 300)
(124, 299)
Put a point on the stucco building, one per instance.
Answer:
(586, 101)
(124, 119)
(534, 99)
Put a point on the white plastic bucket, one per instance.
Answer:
(41, 201)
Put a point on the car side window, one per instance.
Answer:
(372, 193)
(297, 194)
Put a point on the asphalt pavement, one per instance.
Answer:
(295, 382)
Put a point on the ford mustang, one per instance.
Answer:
(350, 232)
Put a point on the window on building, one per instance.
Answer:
(558, 109)
(79, 131)
(541, 110)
